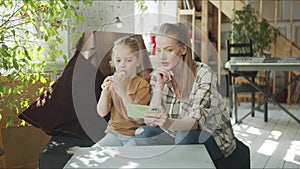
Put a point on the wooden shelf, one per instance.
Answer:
(195, 19)
(192, 15)
(189, 12)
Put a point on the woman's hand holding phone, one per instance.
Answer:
(156, 119)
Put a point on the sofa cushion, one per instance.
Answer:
(57, 114)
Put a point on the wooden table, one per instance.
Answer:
(169, 156)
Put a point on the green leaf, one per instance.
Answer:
(4, 63)
(5, 47)
(75, 1)
(43, 80)
(15, 64)
(9, 122)
(22, 123)
(13, 32)
(3, 53)
(43, 29)
(17, 111)
(68, 14)
(64, 2)
(6, 15)
(65, 58)
(2, 37)
(26, 54)
(54, 70)
(59, 39)
(39, 49)
(41, 90)
(46, 38)
(87, 2)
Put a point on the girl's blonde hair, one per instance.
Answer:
(179, 32)
(134, 46)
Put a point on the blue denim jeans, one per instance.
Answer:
(199, 137)
(147, 135)
(113, 139)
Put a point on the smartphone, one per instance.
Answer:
(137, 110)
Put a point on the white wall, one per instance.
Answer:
(158, 12)
(102, 12)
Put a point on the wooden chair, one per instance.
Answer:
(241, 50)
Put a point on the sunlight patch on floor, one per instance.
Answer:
(239, 131)
(253, 130)
(244, 134)
(268, 147)
(275, 135)
(293, 153)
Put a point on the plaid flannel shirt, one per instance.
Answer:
(205, 104)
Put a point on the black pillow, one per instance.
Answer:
(58, 115)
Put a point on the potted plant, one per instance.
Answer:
(29, 39)
(246, 25)
(30, 32)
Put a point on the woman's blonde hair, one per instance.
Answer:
(179, 32)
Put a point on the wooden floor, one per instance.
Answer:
(273, 144)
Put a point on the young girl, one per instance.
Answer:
(121, 89)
